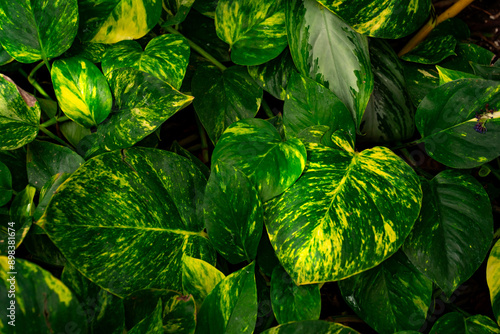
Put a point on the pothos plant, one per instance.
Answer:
(103, 232)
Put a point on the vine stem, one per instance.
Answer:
(429, 26)
(33, 82)
(54, 120)
(53, 136)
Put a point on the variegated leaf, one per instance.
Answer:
(493, 279)
(206, 7)
(447, 75)
(466, 53)
(176, 11)
(81, 90)
(254, 30)
(455, 322)
(381, 18)
(432, 50)
(326, 49)
(255, 147)
(152, 323)
(166, 57)
(112, 21)
(420, 79)
(311, 326)
(347, 213)
(31, 30)
(135, 212)
(46, 193)
(5, 58)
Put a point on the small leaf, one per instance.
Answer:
(493, 279)
(432, 50)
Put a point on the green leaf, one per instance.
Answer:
(178, 149)
(255, 147)
(420, 80)
(455, 206)
(447, 75)
(456, 323)
(488, 72)
(142, 208)
(81, 90)
(432, 50)
(231, 307)
(5, 184)
(224, 98)
(112, 21)
(391, 297)
(42, 303)
(380, 18)
(151, 324)
(165, 57)
(344, 197)
(15, 160)
(47, 191)
(74, 132)
(446, 119)
(206, 7)
(390, 115)
(139, 111)
(309, 103)
(36, 29)
(46, 159)
(291, 302)
(311, 326)
(176, 10)
(467, 53)
(42, 249)
(266, 257)
(254, 30)
(91, 51)
(5, 58)
(493, 279)
(273, 76)
(19, 115)
(327, 50)
(233, 213)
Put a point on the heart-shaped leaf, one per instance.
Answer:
(326, 49)
(74, 132)
(37, 29)
(256, 148)
(142, 210)
(455, 206)
(493, 279)
(166, 57)
(82, 91)
(347, 213)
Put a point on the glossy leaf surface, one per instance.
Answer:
(176, 11)
(432, 50)
(455, 322)
(150, 324)
(5, 184)
(493, 279)
(311, 326)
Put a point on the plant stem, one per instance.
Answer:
(345, 318)
(425, 30)
(53, 136)
(54, 120)
(46, 62)
(33, 82)
(198, 49)
(266, 108)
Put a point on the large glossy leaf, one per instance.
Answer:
(381, 296)
(256, 148)
(327, 50)
(45, 159)
(432, 50)
(135, 212)
(348, 212)
(231, 307)
(291, 302)
(311, 326)
(381, 18)
(19, 115)
(254, 30)
(456, 323)
(455, 207)
(82, 91)
(309, 103)
(139, 111)
(41, 303)
(224, 98)
(112, 21)
(176, 11)
(166, 57)
(390, 115)
(5, 184)
(31, 30)
(233, 213)
(446, 119)
(493, 279)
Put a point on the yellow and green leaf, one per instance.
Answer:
(311, 326)
(176, 11)
(455, 322)
(432, 50)
(493, 279)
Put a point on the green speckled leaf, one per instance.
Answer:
(347, 213)
(446, 119)
(311, 326)
(140, 212)
(420, 79)
(456, 323)
(138, 111)
(47, 191)
(309, 103)
(254, 30)
(5, 58)
(178, 149)
(166, 57)
(233, 213)
(152, 323)
(255, 147)
(224, 98)
(91, 51)
(432, 50)
(381, 18)
(199, 278)
(112, 21)
(231, 307)
(390, 297)
(31, 30)
(291, 302)
(390, 115)
(5, 184)
(179, 316)
(42, 303)
(81, 90)
(447, 75)
(45, 159)
(19, 115)
(493, 279)
(455, 207)
(327, 50)
(176, 11)
(481, 324)
(467, 53)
